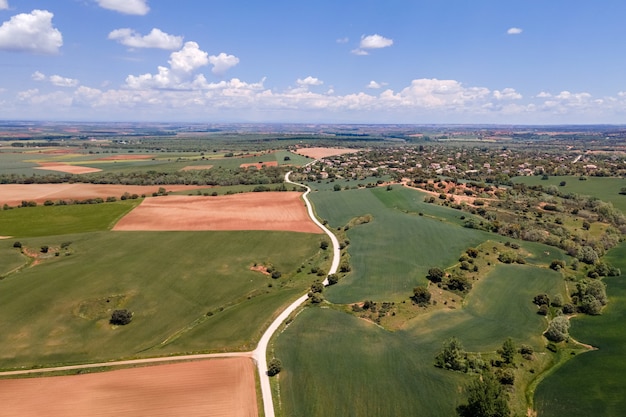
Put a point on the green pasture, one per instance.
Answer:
(391, 255)
(593, 384)
(604, 188)
(10, 259)
(189, 291)
(57, 220)
(338, 365)
(12, 163)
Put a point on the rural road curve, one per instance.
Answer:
(260, 353)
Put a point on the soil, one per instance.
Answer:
(317, 153)
(194, 167)
(250, 211)
(14, 194)
(218, 388)
(70, 169)
(260, 165)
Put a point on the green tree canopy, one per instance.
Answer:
(485, 398)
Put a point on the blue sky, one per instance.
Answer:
(343, 61)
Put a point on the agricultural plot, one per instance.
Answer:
(187, 290)
(593, 383)
(391, 373)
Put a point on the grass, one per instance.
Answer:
(593, 383)
(391, 255)
(376, 372)
(605, 188)
(170, 280)
(57, 220)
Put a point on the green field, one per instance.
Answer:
(338, 365)
(593, 384)
(57, 311)
(604, 188)
(391, 255)
(57, 220)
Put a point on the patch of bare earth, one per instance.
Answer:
(250, 211)
(196, 167)
(317, 153)
(260, 165)
(218, 388)
(14, 194)
(70, 169)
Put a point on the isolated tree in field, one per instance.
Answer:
(421, 296)
(435, 274)
(274, 366)
(507, 351)
(558, 329)
(333, 279)
(452, 356)
(324, 245)
(121, 317)
(485, 398)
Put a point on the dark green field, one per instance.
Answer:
(57, 311)
(339, 365)
(593, 384)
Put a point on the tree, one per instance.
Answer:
(333, 279)
(541, 299)
(324, 245)
(558, 329)
(452, 356)
(435, 274)
(121, 317)
(485, 398)
(421, 296)
(274, 366)
(508, 350)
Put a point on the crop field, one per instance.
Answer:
(392, 373)
(605, 188)
(174, 282)
(58, 220)
(408, 243)
(593, 384)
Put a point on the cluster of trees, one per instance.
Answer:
(453, 282)
(121, 317)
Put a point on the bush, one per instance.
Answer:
(435, 274)
(121, 317)
(558, 329)
(17, 244)
(421, 296)
(274, 367)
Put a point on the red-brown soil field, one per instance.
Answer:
(250, 211)
(217, 388)
(14, 194)
(194, 167)
(260, 165)
(317, 153)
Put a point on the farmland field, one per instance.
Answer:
(176, 283)
(593, 383)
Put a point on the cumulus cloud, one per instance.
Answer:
(56, 80)
(136, 7)
(309, 81)
(189, 58)
(375, 41)
(514, 31)
(31, 32)
(507, 94)
(4, 4)
(375, 85)
(155, 39)
(222, 63)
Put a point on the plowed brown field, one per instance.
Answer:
(317, 153)
(250, 211)
(217, 388)
(14, 194)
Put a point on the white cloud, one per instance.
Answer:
(155, 39)
(222, 63)
(136, 7)
(375, 85)
(63, 81)
(38, 76)
(189, 58)
(309, 81)
(375, 41)
(56, 80)
(507, 94)
(4, 4)
(31, 32)
(514, 31)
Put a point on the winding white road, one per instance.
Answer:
(259, 354)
